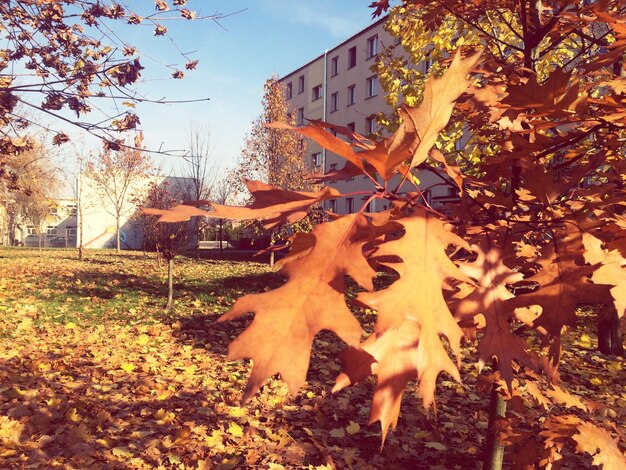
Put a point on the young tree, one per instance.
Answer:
(527, 51)
(221, 195)
(30, 203)
(168, 239)
(71, 59)
(541, 208)
(272, 155)
(113, 174)
(200, 170)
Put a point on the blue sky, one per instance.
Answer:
(235, 58)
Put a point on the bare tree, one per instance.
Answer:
(200, 166)
(113, 175)
(222, 193)
(200, 169)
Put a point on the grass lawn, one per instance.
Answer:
(95, 374)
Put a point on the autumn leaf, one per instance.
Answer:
(601, 445)
(127, 367)
(353, 428)
(287, 318)
(412, 315)
(554, 96)
(563, 397)
(612, 271)
(235, 430)
(489, 299)
(433, 114)
(272, 206)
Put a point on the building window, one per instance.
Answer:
(70, 231)
(289, 91)
(372, 47)
(351, 94)
(351, 126)
(317, 92)
(349, 205)
(370, 125)
(71, 209)
(372, 86)
(301, 84)
(352, 57)
(368, 207)
(332, 205)
(333, 167)
(54, 211)
(300, 116)
(453, 192)
(51, 230)
(334, 102)
(316, 159)
(30, 230)
(334, 66)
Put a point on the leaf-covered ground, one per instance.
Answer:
(95, 374)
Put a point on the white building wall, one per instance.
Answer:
(98, 214)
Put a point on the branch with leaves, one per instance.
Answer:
(540, 212)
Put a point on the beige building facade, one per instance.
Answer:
(340, 87)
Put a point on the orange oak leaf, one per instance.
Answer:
(601, 445)
(179, 213)
(563, 283)
(612, 271)
(317, 132)
(454, 172)
(272, 206)
(489, 298)
(440, 94)
(558, 429)
(563, 397)
(412, 317)
(556, 95)
(393, 355)
(534, 391)
(287, 318)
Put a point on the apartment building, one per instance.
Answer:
(339, 87)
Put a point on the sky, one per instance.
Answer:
(236, 56)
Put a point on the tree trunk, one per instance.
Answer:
(221, 235)
(170, 284)
(609, 335)
(272, 259)
(494, 451)
(117, 233)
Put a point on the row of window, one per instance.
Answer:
(70, 209)
(51, 230)
(348, 205)
(371, 51)
(371, 91)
